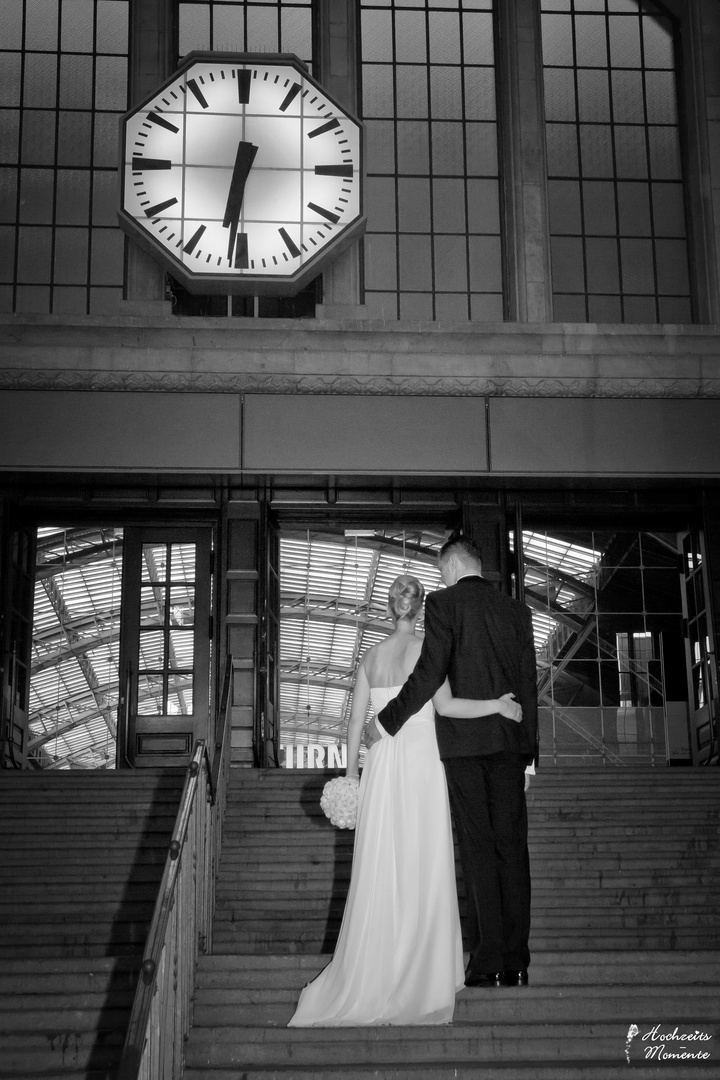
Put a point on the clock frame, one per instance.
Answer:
(242, 175)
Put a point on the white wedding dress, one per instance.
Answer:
(398, 958)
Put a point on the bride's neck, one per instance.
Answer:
(404, 628)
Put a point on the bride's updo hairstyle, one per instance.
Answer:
(405, 597)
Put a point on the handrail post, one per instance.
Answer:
(181, 925)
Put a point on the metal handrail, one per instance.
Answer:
(172, 927)
(137, 1028)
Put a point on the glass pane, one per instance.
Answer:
(557, 40)
(377, 36)
(263, 31)
(478, 38)
(36, 194)
(625, 42)
(150, 695)
(590, 41)
(194, 22)
(657, 43)
(76, 82)
(112, 26)
(41, 26)
(182, 606)
(631, 152)
(377, 90)
(479, 94)
(562, 150)
(596, 151)
(602, 266)
(410, 44)
(413, 151)
(152, 650)
(414, 204)
(182, 650)
(111, 82)
(182, 562)
(38, 138)
(672, 268)
(627, 92)
(599, 208)
(153, 599)
(40, 81)
(412, 91)
(446, 93)
(634, 209)
(567, 265)
(73, 199)
(559, 94)
(444, 32)
(154, 562)
(637, 266)
(661, 97)
(564, 205)
(77, 25)
(180, 696)
(71, 256)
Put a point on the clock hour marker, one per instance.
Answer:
(241, 252)
(139, 164)
(153, 211)
(330, 126)
(290, 244)
(197, 93)
(290, 96)
(327, 214)
(159, 119)
(243, 78)
(193, 241)
(334, 170)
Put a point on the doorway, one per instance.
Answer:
(333, 608)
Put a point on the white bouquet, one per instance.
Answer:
(340, 801)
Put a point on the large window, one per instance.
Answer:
(270, 26)
(617, 213)
(432, 249)
(63, 86)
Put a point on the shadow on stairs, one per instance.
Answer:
(82, 855)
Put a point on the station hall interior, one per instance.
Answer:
(291, 291)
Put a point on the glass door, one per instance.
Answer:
(16, 600)
(165, 644)
(699, 651)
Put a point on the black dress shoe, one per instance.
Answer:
(513, 978)
(483, 978)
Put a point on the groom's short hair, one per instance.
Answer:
(461, 546)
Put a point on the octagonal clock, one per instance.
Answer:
(242, 175)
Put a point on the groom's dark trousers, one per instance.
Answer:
(482, 641)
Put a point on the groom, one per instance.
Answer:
(482, 641)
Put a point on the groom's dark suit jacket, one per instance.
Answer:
(483, 642)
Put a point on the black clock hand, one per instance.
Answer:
(243, 163)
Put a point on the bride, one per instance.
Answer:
(398, 958)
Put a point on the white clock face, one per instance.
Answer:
(242, 175)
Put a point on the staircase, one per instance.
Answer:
(626, 930)
(82, 854)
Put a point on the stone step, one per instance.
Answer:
(84, 975)
(529, 1006)
(593, 968)
(316, 941)
(80, 1012)
(490, 1043)
(439, 1071)
(42, 1054)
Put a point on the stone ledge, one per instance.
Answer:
(321, 357)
